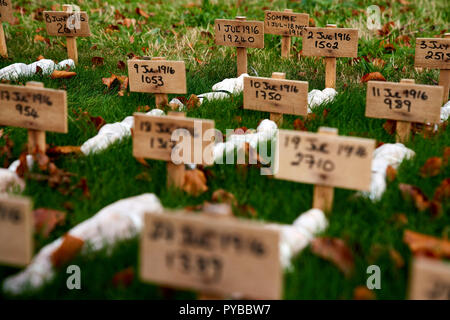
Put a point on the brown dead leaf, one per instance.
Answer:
(336, 251)
(142, 161)
(431, 168)
(59, 150)
(403, 40)
(39, 38)
(123, 278)
(422, 244)
(69, 249)
(121, 65)
(413, 193)
(389, 126)
(46, 220)
(386, 29)
(142, 13)
(299, 125)
(374, 76)
(61, 74)
(223, 196)
(442, 193)
(391, 173)
(389, 47)
(97, 61)
(195, 182)
(379, 63)
(193, 102)
(42, 160)
(363, 293)
(22, 169)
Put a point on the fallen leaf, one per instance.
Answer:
(422, 244)
(336, 251)
(223, 196)
(373, 76)
(39, 38)
(46, 220)
(61, 74)
(98, 61)
(142, 161)
(391, 173)
(386, 29)
(195, 182)
(41, 57)
(389, 126)
(59, 150)
(413, 193)
(379, 63)
(431, 168)
(443, 191)
(193, 102)
(123, 278)
(42, 160)
(131, 39)
(299, 125)
(121, 65)
(69, 249)
(142, 13)
(389, 47)
(363, 293)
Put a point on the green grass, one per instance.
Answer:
(111, 174)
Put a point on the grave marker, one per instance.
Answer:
(157, 76)
(35, 108)
(70, 24)
(331, 43)
(241, 34)
(211, 255)
(6, 15)
(405, 102)
(434, 53)
(16, 231)
(430, 279)
(325, 160)
(286, 24)
(152, 139)
(276, 95)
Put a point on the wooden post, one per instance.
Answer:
(277, 117)
(72, 50)
(241, 55)
(403, 128)
(3, 48)
(323, 196)
(286, 43)
(330, 68)
(175, 172)
(36, 138)
(161, 99)
(444, 78)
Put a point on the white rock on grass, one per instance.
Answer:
(317, 97)
(119, 221)
(17, 70)
(445, 112)
(10, 181)
(231, 85)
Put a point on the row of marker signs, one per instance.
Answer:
(196, 252)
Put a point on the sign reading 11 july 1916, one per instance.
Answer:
(203, 253)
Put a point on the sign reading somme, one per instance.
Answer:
(157, 76)
(330, 42)
(432, 53)
(236, 33)
(404, 101)
(285, 23)
(60, 23)
(152, 138)
(276, 95)
(33, 108)
(16, 231)
(6, 11)
(199, 252)
(326, 160)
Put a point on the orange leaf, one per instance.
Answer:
(46, 220)
(389, 126)
(386, 29)
(69, 249)
(336, 251)
(142, 161)
(58, 150)
(422, 244)
(142, 13)
(39, 38)
(193, 102)
(431, 168)
(379, 63)
(376, 76)
(443, 191)
(223, 196)
(363, 293)
(123, 278)
(98, 61)
(414, 193)
(109, 81)
(391, 173)
(299, 125)
(195, 182)
(61, 74)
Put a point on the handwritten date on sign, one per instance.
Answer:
(199, 252)
(158, 76)
(33, 108)
(6, 11)
(276, 95)
(60, 23)
(333, 161)
(432, 53)
(237, 33)
(285, 23)
(16, 231)
(404, 101)
(168, 138)
(430, 279)
(330, 42)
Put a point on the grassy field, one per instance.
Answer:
(184, 30)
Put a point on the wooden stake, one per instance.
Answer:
(72, 50)
(241, 55)
(36, 138)
(3, 48)
(175, 172)
(161, 99)
(444, 78)
(323, 196)
(403, 128)
(286, 43)
(330, 68)
(277, 117)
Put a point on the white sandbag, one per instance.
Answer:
(445, 112)
(10, 181)
(231, 85)
(119, 221)
(16, 70)
(317, 97)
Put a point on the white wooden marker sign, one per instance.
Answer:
(241, 34)
(211, 255)
(16, 231)
(286, 24)
(435, 53)
(430, 279)
(6, 15)
(69, 23)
